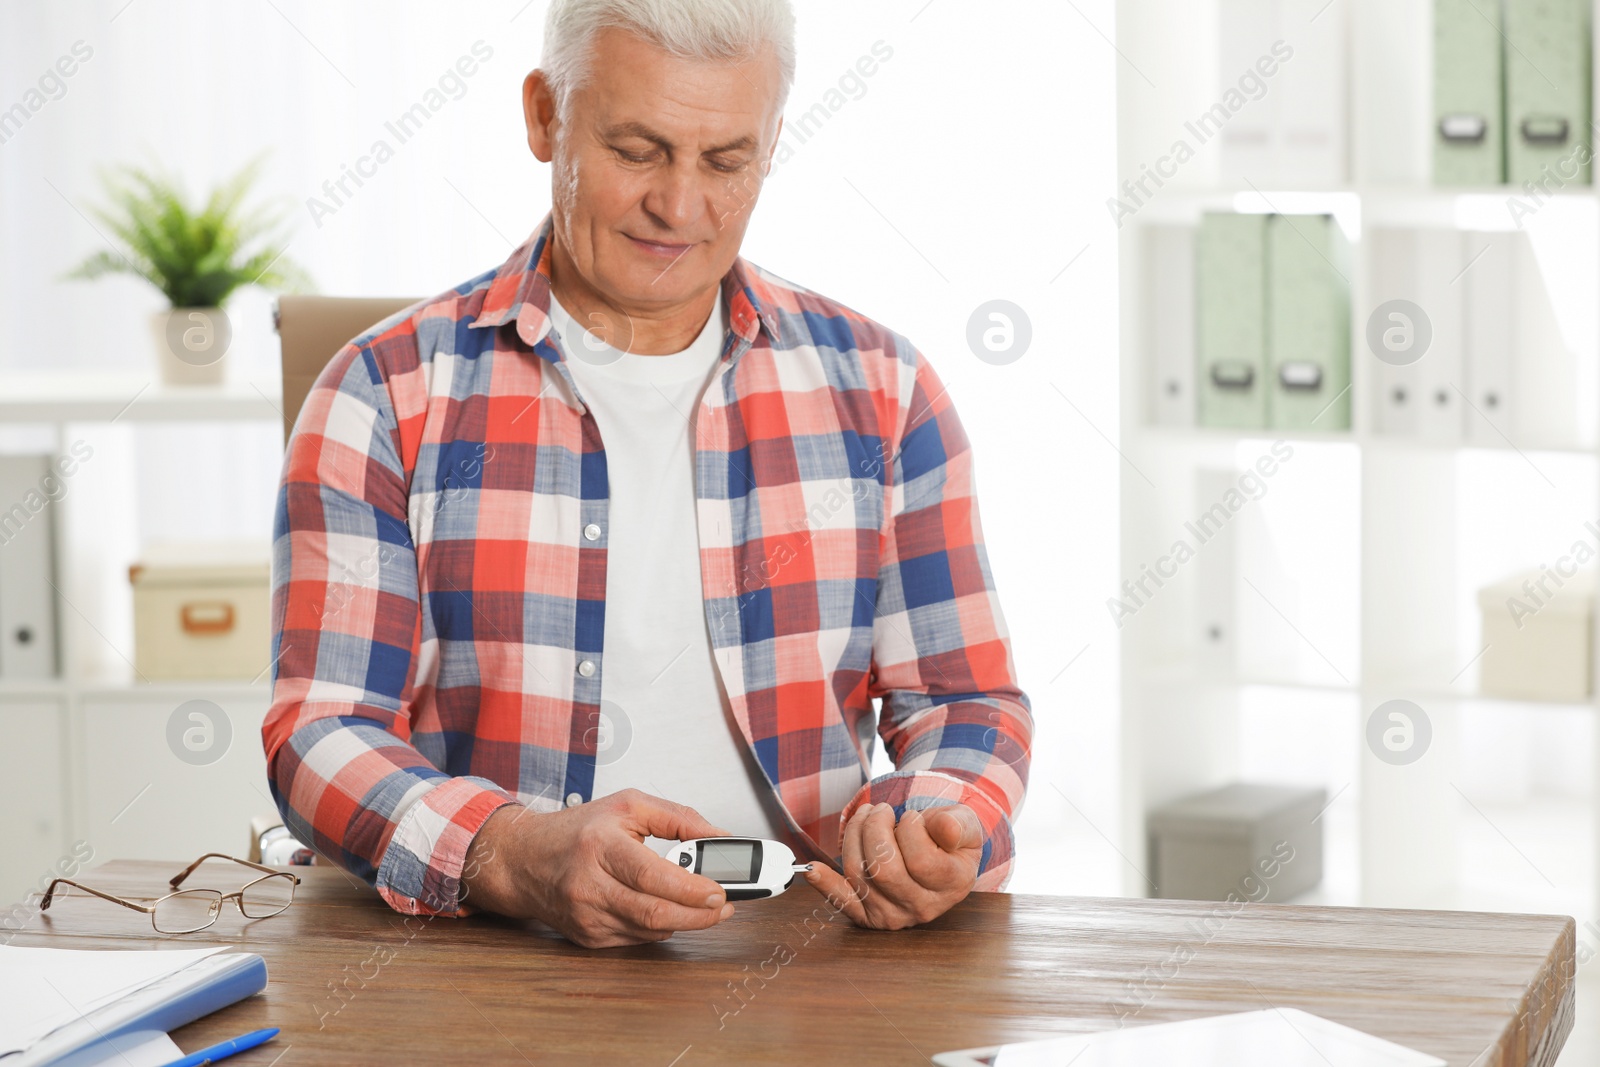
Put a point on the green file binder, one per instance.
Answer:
(1308, 317)
(1548, 46)
(1231, 321)
(1468, 96)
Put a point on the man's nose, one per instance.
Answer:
(676, 198)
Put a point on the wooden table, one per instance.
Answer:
(786, 981)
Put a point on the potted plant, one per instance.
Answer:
(197, 257)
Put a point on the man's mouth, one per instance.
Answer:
(659, 249)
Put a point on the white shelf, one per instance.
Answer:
(1423, 692)
(90, 763)
(16, 689)
(1388, 441)
(1401, 512)
(1211, 435)
(1394, 191)
(220, 689)
(32, 687)
(64, 397)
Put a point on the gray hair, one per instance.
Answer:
(688, 29)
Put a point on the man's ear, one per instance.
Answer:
(539, 114)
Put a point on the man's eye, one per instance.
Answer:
(630, 157)
(725, 167)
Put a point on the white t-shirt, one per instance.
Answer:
(666, 727)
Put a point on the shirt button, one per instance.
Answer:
(586, 668)
(591, 532)
(574, 799)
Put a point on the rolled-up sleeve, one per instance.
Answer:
(952, 717)
(347, 642)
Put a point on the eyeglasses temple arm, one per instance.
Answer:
(187, 871)
(49, 894)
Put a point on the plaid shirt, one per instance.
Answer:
(439, 581)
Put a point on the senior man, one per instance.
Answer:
(623, 539)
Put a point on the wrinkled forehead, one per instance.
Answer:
(635, 88)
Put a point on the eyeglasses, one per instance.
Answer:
(187, 911)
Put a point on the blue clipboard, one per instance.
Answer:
(177, 1000)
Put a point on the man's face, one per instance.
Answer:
(656, 167)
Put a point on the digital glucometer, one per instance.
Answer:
(747, 868)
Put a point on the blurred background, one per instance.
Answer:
(937, 183)
(1274, 324)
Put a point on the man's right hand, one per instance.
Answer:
(587, 872)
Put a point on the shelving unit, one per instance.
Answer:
(1393, 629)
(96, 736)
(60, 399)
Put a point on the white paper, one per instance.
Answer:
(1276, 1037)
(142, 1048)
(43, 989)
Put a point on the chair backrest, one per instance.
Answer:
(313, 329)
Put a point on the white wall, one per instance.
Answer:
(974, 166)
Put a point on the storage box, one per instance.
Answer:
(1548, 91)
(1231, 321)
(1289, 63)
(1489, 336)
(1538, 629)
(1169, 280)
(1256, 842)
(27, 563)
(201, 612)
(1416, 395)
(1308, 307)
(1468, 104)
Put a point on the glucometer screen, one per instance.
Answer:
(729, 861)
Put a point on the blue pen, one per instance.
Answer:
(227, 1048)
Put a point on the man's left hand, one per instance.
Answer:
(900, 876)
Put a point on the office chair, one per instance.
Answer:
(313, 329)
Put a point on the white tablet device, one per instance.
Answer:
(1276, 1037)
(746, 867)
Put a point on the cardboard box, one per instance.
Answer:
(1258, 842)
(201, 613)
(1539, 627)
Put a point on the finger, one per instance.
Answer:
(655, 914)
(898, 893)
(926, 862)
(636, 866)
(956, 828)
(654, 817)
(878, 848)
(838, 891)
(851, 855)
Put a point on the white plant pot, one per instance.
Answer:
(191, 345)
